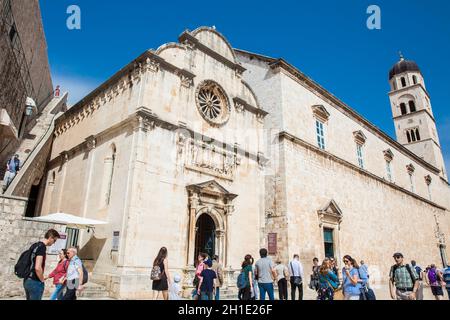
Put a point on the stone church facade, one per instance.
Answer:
(200, 147)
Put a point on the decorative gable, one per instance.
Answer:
(410, 168)
(321, 113)
(211, 188)
(360, 137)
(388, 155)
(330, 213)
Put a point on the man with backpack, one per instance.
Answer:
(435, 280)
(31, 264)
(403, 282)
(76, 275)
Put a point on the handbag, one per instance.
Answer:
(156, 273)
(296, 280)
(366, 293)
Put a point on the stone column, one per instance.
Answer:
(90, 146)
(193, 204)
(228, 213)
(64, 159)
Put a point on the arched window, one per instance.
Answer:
(414, 79)
(403, 108)
(403, 82)
(412, 106)
(417, 134)
(108, 173)
(408, 136)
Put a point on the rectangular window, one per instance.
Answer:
(320, 134)
(389, 170)
(72, 237)
(328, 242)
(360, 155)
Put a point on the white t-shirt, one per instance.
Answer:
(281, 269)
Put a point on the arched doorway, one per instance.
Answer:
(205, 236)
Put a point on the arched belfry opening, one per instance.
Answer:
(210, 205)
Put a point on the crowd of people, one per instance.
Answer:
(256, 281)
(69, 276)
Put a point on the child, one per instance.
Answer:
(206, 285)
(175, 288)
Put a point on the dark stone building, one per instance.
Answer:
(24, 72)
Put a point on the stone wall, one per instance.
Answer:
(17, 235)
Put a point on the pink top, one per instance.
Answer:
(199, 269)
(59, 272)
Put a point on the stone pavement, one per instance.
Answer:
(381, 291)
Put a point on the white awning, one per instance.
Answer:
(70, 220)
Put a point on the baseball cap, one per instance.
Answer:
(398, 254)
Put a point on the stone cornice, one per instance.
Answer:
(409, 87)
(119, 82)
(415, 113)
(145, 119)
(424, 140)
(298, 141)
(241, 102)
(186, 37)
(304, 80)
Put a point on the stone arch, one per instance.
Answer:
(219, 221)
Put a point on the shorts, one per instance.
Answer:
(437, 291)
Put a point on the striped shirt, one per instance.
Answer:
(447, 277)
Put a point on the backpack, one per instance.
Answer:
(85, 274)
(419, 272)
(432, 276)
(241, 283)
(24, 265)
(408, 267)
(156, 273)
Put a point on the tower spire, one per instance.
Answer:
(402, 58)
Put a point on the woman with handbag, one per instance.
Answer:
(328, 281)
(160, 275)
(314, 283)
(352, 284)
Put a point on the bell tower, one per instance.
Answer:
(415, 125)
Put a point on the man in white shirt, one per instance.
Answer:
(74, 275)
(297, 276)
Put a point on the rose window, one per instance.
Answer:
(212, 103)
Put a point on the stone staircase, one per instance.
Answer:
(94, 291)
(37, 136)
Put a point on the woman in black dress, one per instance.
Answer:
(162, 285)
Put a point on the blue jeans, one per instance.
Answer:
(205, 296)
(33, 289)
(58, 293)
(266, 287)
(217, 294)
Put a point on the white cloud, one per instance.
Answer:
(77, 87)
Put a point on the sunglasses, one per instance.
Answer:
(398, 257)
(345, 261)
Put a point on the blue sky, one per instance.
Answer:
(328, 40)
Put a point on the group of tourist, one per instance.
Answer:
(208, 278)
(407, 280)
(255, 281)
(69, 276)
